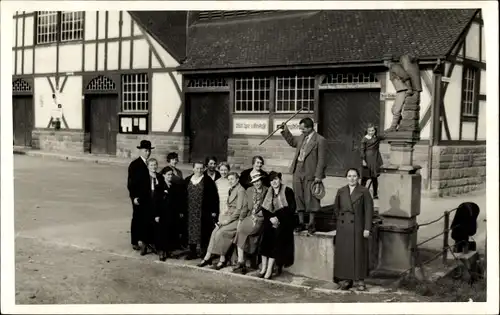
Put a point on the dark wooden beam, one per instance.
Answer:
(96, 37)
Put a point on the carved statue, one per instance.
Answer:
(405, 76)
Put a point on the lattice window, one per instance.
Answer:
(207, 83)
(135, 92)
(293, 93)
(350, 78)
(71, 25)
(252, 94)
(469, 92)
(46, 31)
(219, 14)
(101, 83)
(20, 85)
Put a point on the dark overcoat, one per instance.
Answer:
(210, 204)
(138, 183)
(354, 214)
(168, 238)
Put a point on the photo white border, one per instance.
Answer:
(490, 17)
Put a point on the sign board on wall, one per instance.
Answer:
(293, 125)
(134, 124)
(251, 126)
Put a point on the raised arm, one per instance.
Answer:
(290, 139)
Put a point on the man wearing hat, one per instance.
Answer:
(138, 186)
(308, 169)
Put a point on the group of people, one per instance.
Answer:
(214, 210)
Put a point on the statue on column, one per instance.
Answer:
(405, 76)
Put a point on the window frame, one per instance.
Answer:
(264, 86)
(310, 91)
(59, 27)
(469, 108)
(136, 100)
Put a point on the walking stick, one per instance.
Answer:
(272, 133)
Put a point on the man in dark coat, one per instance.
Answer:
(138, 186)
(308, 168)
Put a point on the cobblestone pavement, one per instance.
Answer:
(72, 246)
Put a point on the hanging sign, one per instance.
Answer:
(250, 126)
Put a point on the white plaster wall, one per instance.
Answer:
(100, 57)
(452, 104)
(472, 42)
(113, 56)
(13, 62)
(19, 64)
(28, 31)
(113, 24)
(90, 24)
(43, 102)
(167, 59)
(141, 54)
(137, 30)
(28, 61)
(166, 102)
(70, 58)
(101, 23)
(483, 46)
(482, 87)
(45, 60)
(90, 57)
(14, 37)
(71, 101)
(468, 130)
(481, 128)
(127, 20)
(19, 31)
(126, 54)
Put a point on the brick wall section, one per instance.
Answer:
(164, 144)
(58, 140)
(276, 153)
(458, 169)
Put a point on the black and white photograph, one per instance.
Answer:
(185, 157)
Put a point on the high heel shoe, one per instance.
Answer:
(220, 265)
(204, 263)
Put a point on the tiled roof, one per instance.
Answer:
(323, 37)
(167, 27)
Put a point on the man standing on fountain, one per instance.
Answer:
(308, 169)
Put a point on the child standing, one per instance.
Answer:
(372, 160)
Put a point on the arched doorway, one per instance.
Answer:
(101, 114)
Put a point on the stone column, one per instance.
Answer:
(399, 203)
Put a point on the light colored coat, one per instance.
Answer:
(315, 154)
(222, 237)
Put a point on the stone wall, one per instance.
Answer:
(163, 143)
(58, 140)
(458, 169)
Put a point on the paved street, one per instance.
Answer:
(72, 246)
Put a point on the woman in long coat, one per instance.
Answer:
(202, 209)
(371, 157)
(223, 234)
(250, 230)
(354, 211)
(278, 208)
(167, 235)
(246, 175)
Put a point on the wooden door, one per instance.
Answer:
(344, 117)
(102, 122)
(22, 120)
(208, 125)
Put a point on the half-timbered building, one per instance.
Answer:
(218, 82)
(97, 81)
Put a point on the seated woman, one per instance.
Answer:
(246, 175)
(250, 229)
(223, 234)
(167, 232)
(277, 245)
(354, 211)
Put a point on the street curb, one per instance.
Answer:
(177, 263)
